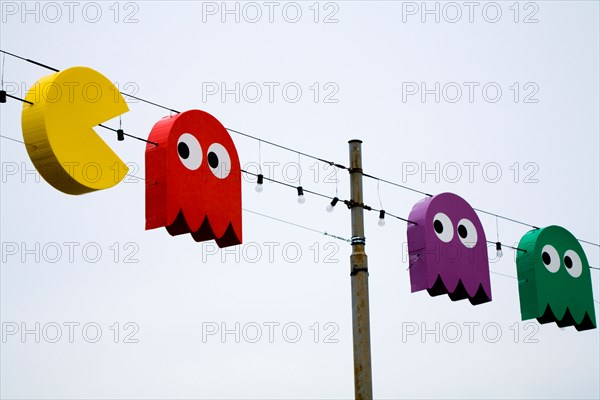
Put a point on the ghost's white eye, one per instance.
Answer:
(218, 160)
(550, 258)
(190, 151)
(443, 227)
(573, 263)
(467, 233)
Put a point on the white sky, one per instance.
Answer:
(174, 54)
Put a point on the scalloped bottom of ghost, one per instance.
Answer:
(459, 293)
(567, 320)
(205, 232)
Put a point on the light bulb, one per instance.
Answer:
(381, 221)
(301, 198)
(259, 183)
(330, 206)
(498, 249)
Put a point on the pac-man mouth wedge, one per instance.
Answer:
(193, 179)
(447, 250)
(555, 283)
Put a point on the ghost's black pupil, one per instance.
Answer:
(183, 150)
(568, 262)
(462, 231)
(546, 258)
(438, 226)
(213, 160)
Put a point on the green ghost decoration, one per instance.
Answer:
(555, 284)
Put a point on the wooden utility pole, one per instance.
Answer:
(359, 276)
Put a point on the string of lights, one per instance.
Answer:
(120, 133)
(261, 178)
(510, 247)
(334, 201)
(299, 188)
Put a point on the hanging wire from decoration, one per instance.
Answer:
(498, 243)
(331, 206)
(379, 195)
(301, 199)
(299, 171)
(497, 231)
(337, 181)
(120, 133)
(3, 67)
(381, 221)
(259, 157)
(340, 166)
(260, 177)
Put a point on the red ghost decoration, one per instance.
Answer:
(193, 179)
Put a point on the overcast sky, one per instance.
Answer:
(497, 102)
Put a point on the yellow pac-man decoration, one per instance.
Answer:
(58, 130)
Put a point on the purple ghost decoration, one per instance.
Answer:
(447, 250)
